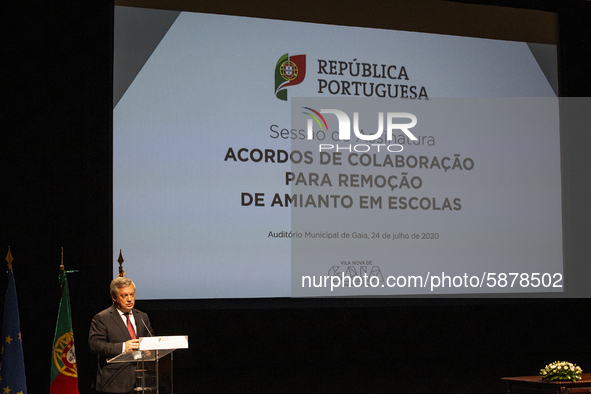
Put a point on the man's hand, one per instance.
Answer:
(132, 344)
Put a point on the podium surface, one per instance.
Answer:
(148, 347)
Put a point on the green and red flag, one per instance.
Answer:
(64, 373)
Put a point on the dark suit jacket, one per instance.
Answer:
(107, 334)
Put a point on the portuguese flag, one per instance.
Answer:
(64, 374)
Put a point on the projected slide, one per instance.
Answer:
(230, 180)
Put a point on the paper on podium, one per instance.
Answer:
(164, 343)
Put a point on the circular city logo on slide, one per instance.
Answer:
(64, 355)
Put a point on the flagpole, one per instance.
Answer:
(61, 276)
(62, 263)
(9, 258)
(120, 261)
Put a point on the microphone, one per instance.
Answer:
(147, 329)
(149, 332)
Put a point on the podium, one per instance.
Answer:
(153, 361)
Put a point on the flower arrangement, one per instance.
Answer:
(561, 370)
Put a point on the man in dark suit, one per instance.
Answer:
(114, 331)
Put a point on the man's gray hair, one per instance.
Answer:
(118, 283)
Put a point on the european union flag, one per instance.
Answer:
(12, 370)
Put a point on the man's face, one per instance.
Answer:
(125, 299)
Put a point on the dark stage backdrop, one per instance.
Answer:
(56, 188)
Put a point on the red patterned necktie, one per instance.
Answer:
(130, 327)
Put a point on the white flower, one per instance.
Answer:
(561, 370)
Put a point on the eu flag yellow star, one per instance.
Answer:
(8, 339)
(7, 390)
